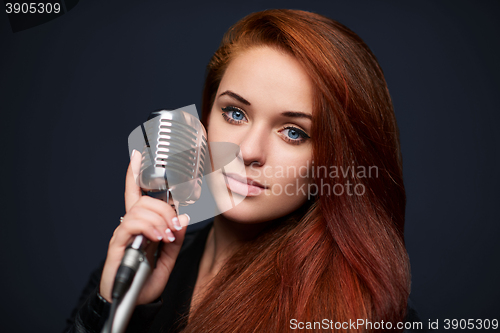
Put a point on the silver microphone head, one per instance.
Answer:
(173, 158)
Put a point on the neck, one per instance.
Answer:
(224, 239)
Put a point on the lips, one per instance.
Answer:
(243, 185)
(245, 180)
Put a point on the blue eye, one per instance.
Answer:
(233, 115)
(294, 135)
(237, 115)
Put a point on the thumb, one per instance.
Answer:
(132, 190)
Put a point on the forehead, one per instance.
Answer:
(266, 75)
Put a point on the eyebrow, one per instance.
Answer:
(235, 96)
(295, 114)
(289, 114)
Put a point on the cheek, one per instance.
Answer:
(292, 179)
(292, 165)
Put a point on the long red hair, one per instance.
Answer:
(340, 257)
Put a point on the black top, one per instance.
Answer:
(167, 313)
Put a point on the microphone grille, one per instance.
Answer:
(175, 154)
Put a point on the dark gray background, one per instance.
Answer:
(71, 91)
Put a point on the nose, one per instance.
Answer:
(254, 145)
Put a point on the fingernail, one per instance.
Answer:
(177, 224)
(158, 235)
(170, 235)
(133, 152)
(188, 219)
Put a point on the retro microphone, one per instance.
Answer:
(174, 150)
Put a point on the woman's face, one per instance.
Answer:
(264, 105)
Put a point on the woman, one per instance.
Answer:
(297, 91)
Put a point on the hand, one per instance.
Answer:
(154, 219)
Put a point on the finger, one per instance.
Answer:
(181, 222)
(176, 235)
(184, 219)
(130, 227)
(161, 208)
(138, 212)
(132, 190)
(171, 250)
(168, 255)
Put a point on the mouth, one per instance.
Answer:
(243, 185)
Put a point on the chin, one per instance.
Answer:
(261, 209)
